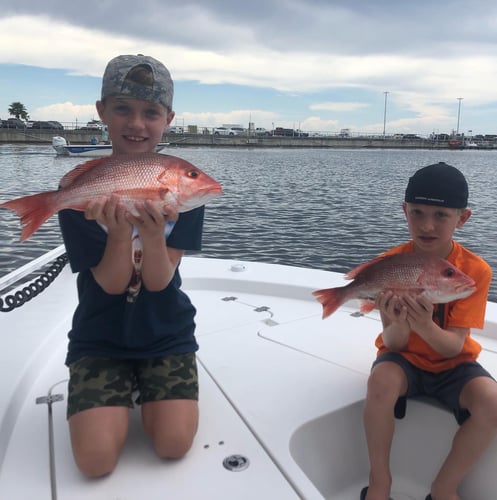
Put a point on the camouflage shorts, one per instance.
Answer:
(96, 382)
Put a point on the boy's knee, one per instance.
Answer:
(487, 410)
(94, 465)
(386, 383)
(480, 397)
(381, 380)
(173, 446)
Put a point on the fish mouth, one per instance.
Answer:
(202, 197)
(465, 290)
(460, 292)
(215, 190)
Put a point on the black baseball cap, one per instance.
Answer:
(438, 184)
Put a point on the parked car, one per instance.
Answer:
(93, 125)
(13, 123)
(42, 125)
(222, 131)
(262, 131)
(175, 129)
(56, 125)
(299, 133)
(289, 132)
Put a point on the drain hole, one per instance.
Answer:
(236, 463)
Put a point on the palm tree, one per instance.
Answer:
(18, 110)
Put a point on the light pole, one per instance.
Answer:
(385, 115)
(458, 114)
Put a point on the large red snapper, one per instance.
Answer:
(434, 277)
(169, 181)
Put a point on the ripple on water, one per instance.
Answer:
(326, 209)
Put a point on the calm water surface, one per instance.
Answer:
(326, 209)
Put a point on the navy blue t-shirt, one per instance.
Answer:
(154, 325)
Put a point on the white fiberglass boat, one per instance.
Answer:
(281, 397)
(92, 150)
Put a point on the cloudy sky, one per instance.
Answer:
(321, 65)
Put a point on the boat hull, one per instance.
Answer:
(88, 150)
(84, 150)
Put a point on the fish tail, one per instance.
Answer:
(330, 298)
(34, 210)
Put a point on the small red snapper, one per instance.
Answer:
(171, 182)
(434, 277)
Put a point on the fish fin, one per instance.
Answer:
(73, 174)
(353, 273)
(330, 298)
(366, 306)
(34, 210)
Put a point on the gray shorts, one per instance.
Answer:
(96, 382)
(444, 386)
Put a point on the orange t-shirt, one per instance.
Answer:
(463, 313)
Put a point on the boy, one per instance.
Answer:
(133, 327)
(427, 349)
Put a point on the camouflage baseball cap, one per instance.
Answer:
(141, 77)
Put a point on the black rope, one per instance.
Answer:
(31, 290)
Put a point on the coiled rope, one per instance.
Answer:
(35, 287)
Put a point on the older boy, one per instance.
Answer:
(427, 349)
(133, 327)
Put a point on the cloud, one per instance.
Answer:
(66, 112)
(338, 106)
(319, 26)
(296, 67)
(323, 52)
(242, 117)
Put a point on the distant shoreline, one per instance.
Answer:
(30, 136)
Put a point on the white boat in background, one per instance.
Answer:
(88, 150)
(281, 396)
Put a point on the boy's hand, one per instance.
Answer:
(150, 221)
(419, 312)
(108, 211)
(392, 307)
(396, 328)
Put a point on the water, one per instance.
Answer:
(320, 208)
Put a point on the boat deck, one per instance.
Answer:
(280, 390)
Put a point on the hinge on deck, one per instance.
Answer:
(52, 398)
(357, 314)
(268, 321)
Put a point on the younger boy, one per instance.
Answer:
(133, 327)
(427, 349)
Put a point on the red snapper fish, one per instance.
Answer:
(417, 273)
(170, 182)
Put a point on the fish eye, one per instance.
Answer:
(193, 174)
(449, 272)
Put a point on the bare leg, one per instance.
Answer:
(97, 438)
(172, 425)
(386, 383)
(479, 395)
